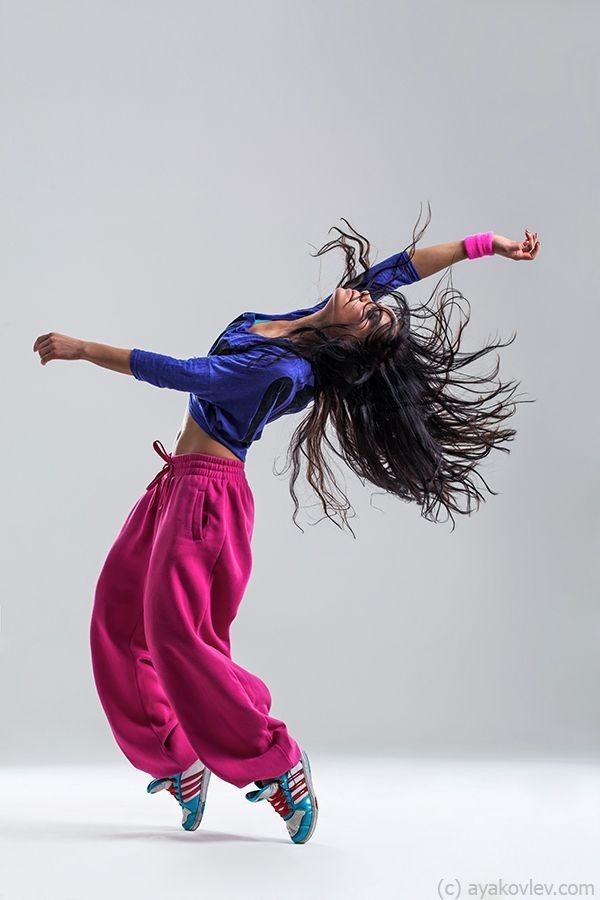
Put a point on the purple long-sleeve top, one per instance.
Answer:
(234, 394)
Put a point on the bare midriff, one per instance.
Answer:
(193, 439)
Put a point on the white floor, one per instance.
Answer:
(387, 829)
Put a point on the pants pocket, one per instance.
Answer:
(197, 515)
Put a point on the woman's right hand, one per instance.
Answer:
(57, 346)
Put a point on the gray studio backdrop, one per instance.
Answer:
(166, 166)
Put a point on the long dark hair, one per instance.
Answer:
(388, 399)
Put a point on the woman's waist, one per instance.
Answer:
(192, 438)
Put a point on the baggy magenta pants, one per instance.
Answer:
(164, 602)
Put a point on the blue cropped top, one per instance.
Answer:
(233, 392)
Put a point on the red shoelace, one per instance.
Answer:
(279, 799)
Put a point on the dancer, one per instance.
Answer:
(180, 708)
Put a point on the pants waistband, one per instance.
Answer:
(198, 464)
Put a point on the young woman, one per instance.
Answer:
(178, 705)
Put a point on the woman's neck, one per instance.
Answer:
(282, 327)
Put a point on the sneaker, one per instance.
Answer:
(189, 789)
(292, 796)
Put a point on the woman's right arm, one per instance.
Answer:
(145, 365)
(156, 368)
(61, 346)
(215, 378)
(108, 357)
(193, 375)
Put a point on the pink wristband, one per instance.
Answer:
(478, 245)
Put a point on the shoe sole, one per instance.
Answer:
(313, 797)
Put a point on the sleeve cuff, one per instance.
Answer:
(136, 362)
(411, 269)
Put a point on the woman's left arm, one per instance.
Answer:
(428, 260)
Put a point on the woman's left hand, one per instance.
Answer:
(527, 249)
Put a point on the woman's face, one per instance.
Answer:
(356, 308)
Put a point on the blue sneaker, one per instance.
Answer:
(292, 796)
(189, 789)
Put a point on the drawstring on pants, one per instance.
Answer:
(167, 468)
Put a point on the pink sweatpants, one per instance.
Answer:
(164, 602)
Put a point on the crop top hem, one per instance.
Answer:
(195, 411)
